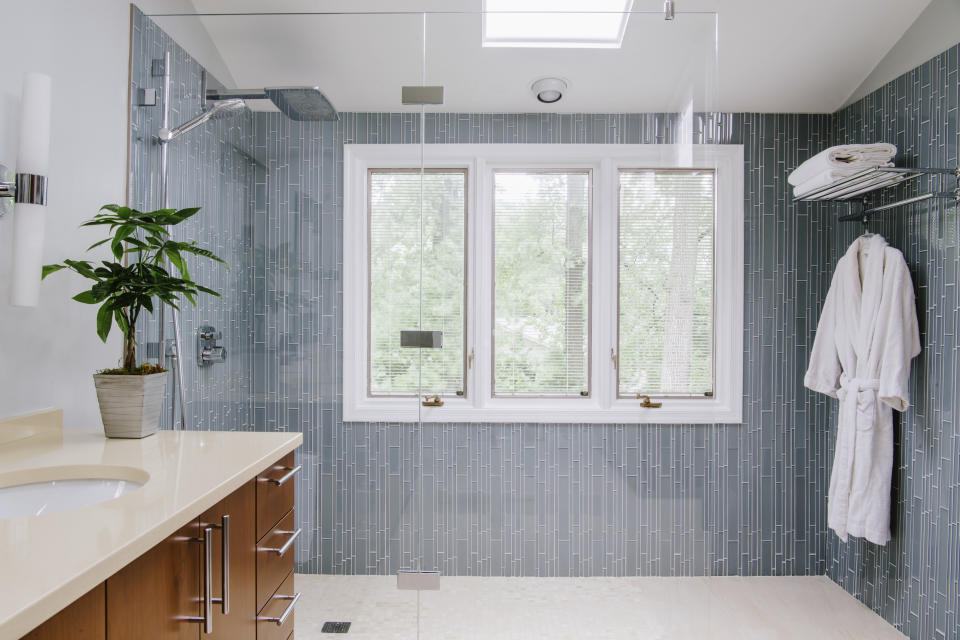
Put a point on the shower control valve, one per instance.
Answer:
(208, 351)
(209, 333)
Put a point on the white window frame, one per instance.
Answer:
(604, 161)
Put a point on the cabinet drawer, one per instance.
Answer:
(275, 487)
(279, 607)
(275, 553)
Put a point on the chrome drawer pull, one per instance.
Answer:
(286, 613)
(286, 545)
(282, 480)
(224, 527)
(207, 618)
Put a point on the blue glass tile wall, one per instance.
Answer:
(211, 167)
(542, 499)
(914, 581)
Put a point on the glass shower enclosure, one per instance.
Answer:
(406, 491)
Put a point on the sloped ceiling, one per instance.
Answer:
(729, 55)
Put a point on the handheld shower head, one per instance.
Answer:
(220, 110)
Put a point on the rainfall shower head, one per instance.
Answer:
(302, 103)
(219, 110)
(297, 103)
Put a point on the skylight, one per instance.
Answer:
(555, 23)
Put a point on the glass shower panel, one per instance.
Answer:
(513, 499)
(271, 188)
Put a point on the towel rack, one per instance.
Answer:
(854, 189)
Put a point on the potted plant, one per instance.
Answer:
(131, 396)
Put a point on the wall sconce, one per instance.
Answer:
(26, 190)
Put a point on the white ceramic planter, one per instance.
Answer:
(130, 405)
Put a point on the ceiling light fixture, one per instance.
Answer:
(548, 90)
(555, 23)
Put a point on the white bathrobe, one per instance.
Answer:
(865, 340)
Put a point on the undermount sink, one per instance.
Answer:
(36, 492)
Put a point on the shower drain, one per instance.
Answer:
(335, 627)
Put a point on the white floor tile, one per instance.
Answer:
(575, 608)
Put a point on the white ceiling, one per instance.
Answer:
(769, 56)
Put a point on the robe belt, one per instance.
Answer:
(856, 385)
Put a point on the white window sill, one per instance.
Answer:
(546, 410)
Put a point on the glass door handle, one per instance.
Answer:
(432, 401)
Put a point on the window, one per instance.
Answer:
(397, 301)
(665, 283)
(566, 279)
(541, 316)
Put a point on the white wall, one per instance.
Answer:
(48, 353)
(934, 31)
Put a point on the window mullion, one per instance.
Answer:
(482, 279)
(604, 285)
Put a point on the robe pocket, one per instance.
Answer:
(866, 410)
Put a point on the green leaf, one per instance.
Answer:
(82, 267)
(177, 261)
(104, 321)
(192, 248)
(120, 320)
(51, 268)
(87, 297)
(183, 214)
(121, 234)
(205, 290)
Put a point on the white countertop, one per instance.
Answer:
(48, 561)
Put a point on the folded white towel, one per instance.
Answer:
(827, 177)
(848, 156)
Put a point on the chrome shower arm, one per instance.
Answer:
(231, 94)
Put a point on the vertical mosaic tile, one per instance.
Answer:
(211, 167)
(574, 500)
(914, 581)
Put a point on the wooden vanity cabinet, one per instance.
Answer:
(160, 595)
(149, 597)
(81, 620)
(240, 623)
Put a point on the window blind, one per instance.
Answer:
(666, 245)
(396, 249)
(541, 312)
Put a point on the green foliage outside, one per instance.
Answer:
(666, 282)
(540, 314)
(395, 277)
(540, 283)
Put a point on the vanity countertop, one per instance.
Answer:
(48, 561)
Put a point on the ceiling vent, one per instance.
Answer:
(548, 90)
